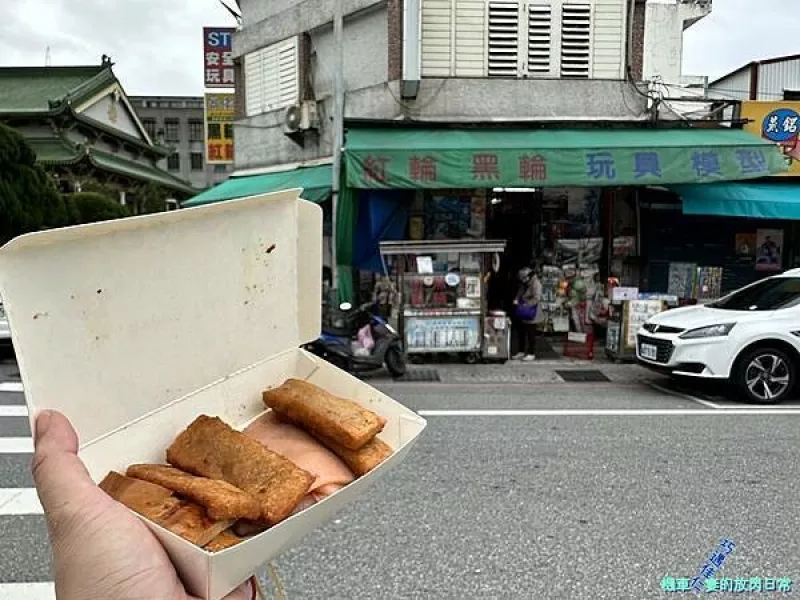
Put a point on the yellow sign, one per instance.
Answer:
(778, 122)
(220, 114)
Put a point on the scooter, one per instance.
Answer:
(336, 342)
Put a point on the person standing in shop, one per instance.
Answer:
(384, 295)
(526, 311)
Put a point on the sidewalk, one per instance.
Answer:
(544, 370)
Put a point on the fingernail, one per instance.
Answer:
(43, 420)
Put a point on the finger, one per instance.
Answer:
(60, 476)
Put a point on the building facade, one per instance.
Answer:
(772, 79)
(178, 121)
(664, 24)
(462, 61)
(82, 126)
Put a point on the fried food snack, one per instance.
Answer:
(158, 504)
(321, 413)
(149, 500)
(302, 449)
(362, 461)
(220, 499)
(224, 540)
(210, 448)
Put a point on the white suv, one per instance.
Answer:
(750, 337)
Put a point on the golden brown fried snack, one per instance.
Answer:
(149, 500)
(224, 540)
(362, 461)
(210, 448)
(321, 413)
(158, 504)
(220, 499)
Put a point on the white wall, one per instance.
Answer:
(665, 22)
(366, 52)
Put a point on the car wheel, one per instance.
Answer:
(765, 376)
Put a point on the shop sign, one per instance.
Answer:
(219, 115)
(218, 57)
(557, 168)
(777, 122)
(443, 334)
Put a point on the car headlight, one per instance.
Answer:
(720, 330)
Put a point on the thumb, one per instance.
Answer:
(61, 479)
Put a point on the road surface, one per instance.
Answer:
(575, 491)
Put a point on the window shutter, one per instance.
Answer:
(576, 40)
(437, 38)
(288, 70)
(470, 38)
(540, 22)
(503, 45)
(272, 78)
(254, 82)
(609, 39)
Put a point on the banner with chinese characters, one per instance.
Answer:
(218, 57)
(424, 158)
(220, 113)
(778, 122)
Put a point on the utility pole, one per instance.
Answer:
(338, 134)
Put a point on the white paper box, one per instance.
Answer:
(133, 328)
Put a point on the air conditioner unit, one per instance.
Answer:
(301, 117)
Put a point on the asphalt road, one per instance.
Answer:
(574, 491)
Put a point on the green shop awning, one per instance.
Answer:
(485, 158)
(315, 181)
(751, 200)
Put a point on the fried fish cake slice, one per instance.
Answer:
(319, 412)
(152, 501)
(220, 499)
(159, 505)
(362, 461)
(224, 540)
(192, 523)
(210, 448)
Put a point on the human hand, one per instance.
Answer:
(101, 550)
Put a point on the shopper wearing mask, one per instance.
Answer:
(526, 310)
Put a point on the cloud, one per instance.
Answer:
(740, 31)
(157, 45)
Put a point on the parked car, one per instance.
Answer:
(750, 338)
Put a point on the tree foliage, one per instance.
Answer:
(90, 207)
(29, 200)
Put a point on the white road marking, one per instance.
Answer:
(11, 386)
(19, 501)
(685, 396)
(28, 591)
(16, 445)
(613, 412)
(13, 410)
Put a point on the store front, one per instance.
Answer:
(701, 242)
(563, 200)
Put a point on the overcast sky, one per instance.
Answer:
(157, 44)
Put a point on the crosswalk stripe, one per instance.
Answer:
(16, 445)
(27, 591)
(13, 410)
(19, 502)
(11, 386)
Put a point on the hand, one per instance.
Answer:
(100, 549)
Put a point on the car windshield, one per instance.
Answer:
(769, 294)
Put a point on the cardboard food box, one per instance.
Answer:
(133, 328)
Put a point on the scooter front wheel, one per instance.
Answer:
(395, 361)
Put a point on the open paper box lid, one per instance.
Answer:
(113, 320)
